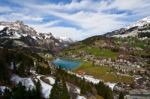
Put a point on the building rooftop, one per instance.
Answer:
(139, 92)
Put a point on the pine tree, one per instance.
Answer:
(65, 91)
(104, 91)
(37, 91)
(32, 94)
(0, 93)
(7, 94)
(55, 90)
(19, 92)
(4, 74)
(59, 90)
(121, 95)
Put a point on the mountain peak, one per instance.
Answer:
(147, 19)
(23, 35)
(16, 23)
(19, 22)
(140, 23)
(16, 27)
(140, 29)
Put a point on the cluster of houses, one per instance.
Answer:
(138, 94)
(133, 91)
(122, 65)
(140, 89)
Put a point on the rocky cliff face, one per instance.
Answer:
(14, 34)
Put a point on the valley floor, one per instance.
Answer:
(104, 73)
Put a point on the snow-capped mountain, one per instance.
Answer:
(18, 34)
(65, 39)
(140, 29)
(140, 23)
(15, 29)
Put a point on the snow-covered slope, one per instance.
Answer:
(15, 29)
(140, 23)
(93, 80)
(2, 88)
(46, 88)
(2, 27)
(139, 29)
(61, 39)
(27, 82)
(81, 97)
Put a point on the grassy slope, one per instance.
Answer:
(102, 72)
(101, 52)
(93, 45)
(99, 97)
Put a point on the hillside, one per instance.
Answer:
(17, 34)
(27, 71)
(24, 73)
(116, 59)
(111, 64)
(140, 29)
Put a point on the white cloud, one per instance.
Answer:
(20, 16)
(88, 15)
(139, 7)
(4, 9)
(129, 5)
(44, 27)
(124, 5)
(17, 16)
(58, 31)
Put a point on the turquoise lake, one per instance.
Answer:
(66, 64)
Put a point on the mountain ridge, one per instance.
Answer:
(20, 34)
(139, 29)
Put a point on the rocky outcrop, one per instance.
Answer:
(14, 34)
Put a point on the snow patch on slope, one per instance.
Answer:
(2, 27)
(2, 88)
(66, 39)
(27, 82)
(133, 34)
(111, 85)
(81, 97)
(46, 88)
(51, 80)
(34, 37)
(93, 80)
(147, 19)
(16, 35)
(139, 23)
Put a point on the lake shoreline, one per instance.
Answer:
(66, 63)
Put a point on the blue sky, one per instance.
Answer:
(76, 19)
